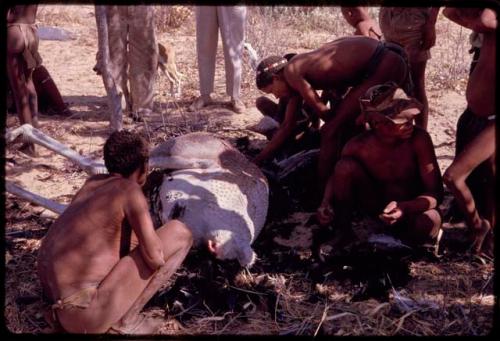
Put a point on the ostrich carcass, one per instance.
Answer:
(208, 184)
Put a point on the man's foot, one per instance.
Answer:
(329, 249)
(479, 235)
(238, 106)
(28, 149)
(487, 249)
(200, 102)
(141, 326)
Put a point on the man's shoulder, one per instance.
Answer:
(360, 142)
(420, 135)
(118, 184)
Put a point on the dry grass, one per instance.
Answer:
(278, 296)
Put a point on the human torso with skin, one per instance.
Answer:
(393, 166)
(83, 245)
(337, 64)
(481, 88)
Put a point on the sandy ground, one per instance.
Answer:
(70, 64)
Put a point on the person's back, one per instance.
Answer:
(334, 63)
(481, 89)
(94, 279)
(90, 226)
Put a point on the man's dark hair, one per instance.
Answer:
(125, 152)
(268, 67)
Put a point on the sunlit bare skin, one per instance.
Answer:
(20, 75)
(335, 67)
(87, 247)
(390, 172)
(480, 94)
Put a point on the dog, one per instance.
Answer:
(166, 63)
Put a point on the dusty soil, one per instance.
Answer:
(453, 296)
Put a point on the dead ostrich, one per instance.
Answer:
(213, 188)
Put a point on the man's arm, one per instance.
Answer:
(325, 212)
(359, 18)
(431, 180)
(284, 132)
(137, 214)
(430, 175)
(297, 82)
(476, 19)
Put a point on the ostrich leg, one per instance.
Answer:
(116, 118)
(30, 134)
(34, 198)
(27, 133)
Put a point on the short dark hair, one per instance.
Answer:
(270, 66)
(125, 152)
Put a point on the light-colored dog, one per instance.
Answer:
(166, 63)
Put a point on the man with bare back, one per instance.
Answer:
(102, 260)
(476, 135)
(390, 171)
(346, 66)
(22, 59)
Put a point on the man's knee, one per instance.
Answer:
(426, 226)
(177, 231)
(452, 178)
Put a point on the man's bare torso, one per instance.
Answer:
(337, 64)
(393, 167)
(83, 245)
(481, 86)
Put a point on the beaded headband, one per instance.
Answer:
(272, 66)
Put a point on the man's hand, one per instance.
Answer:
(392, 213)
(368, 28)
(324, 214)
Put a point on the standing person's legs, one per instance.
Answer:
(417, 70)
(142, 57)
(128, 287)
(207, 35)
(232, 21)
(479, 150)
(117, 39)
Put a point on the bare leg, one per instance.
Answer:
(417, 70)
(350, 187)
(422, 228)
(480, 149)
(129, 285)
